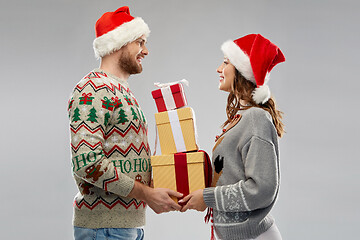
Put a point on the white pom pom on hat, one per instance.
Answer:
(254, 57)
(261, 94)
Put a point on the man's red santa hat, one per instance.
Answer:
(116, 29)
(254, 57)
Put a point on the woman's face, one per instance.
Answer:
(227, 75)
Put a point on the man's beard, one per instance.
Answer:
(129, 64)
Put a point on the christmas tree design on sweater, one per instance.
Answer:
(109, 149)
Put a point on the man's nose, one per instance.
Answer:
(145, 51)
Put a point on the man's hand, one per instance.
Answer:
(158, 199)
(194, 200)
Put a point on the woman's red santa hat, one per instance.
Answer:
(254, 57)
(116, 29)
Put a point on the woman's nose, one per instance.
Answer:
(219, 69)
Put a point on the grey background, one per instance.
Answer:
(46, 48)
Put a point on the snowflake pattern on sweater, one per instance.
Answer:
(246, 177)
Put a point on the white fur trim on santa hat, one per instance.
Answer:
(239, 59)
(261, 94)
(120, 36)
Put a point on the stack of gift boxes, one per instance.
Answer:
(181, 166)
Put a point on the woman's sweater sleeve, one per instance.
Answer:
(259, 188)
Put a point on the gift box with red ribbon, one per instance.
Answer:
(176, 130)
(169, 97)
(182, 172)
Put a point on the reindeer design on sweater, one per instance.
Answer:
(218, 166)
(219, 160)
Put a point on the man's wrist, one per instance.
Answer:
(139, 191)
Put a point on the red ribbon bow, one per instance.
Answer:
(87, 94)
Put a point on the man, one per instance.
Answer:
(110, 150)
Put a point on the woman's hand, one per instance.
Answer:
(158, 199)
(194, 200)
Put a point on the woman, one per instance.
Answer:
(246, 155)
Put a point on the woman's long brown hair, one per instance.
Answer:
(242, 89)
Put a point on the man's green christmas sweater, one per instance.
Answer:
(110, 151)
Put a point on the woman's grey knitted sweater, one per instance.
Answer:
(246, 161)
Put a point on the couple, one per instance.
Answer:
(111, 155)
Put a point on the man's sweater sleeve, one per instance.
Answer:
(88, 122)
(259, 188)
